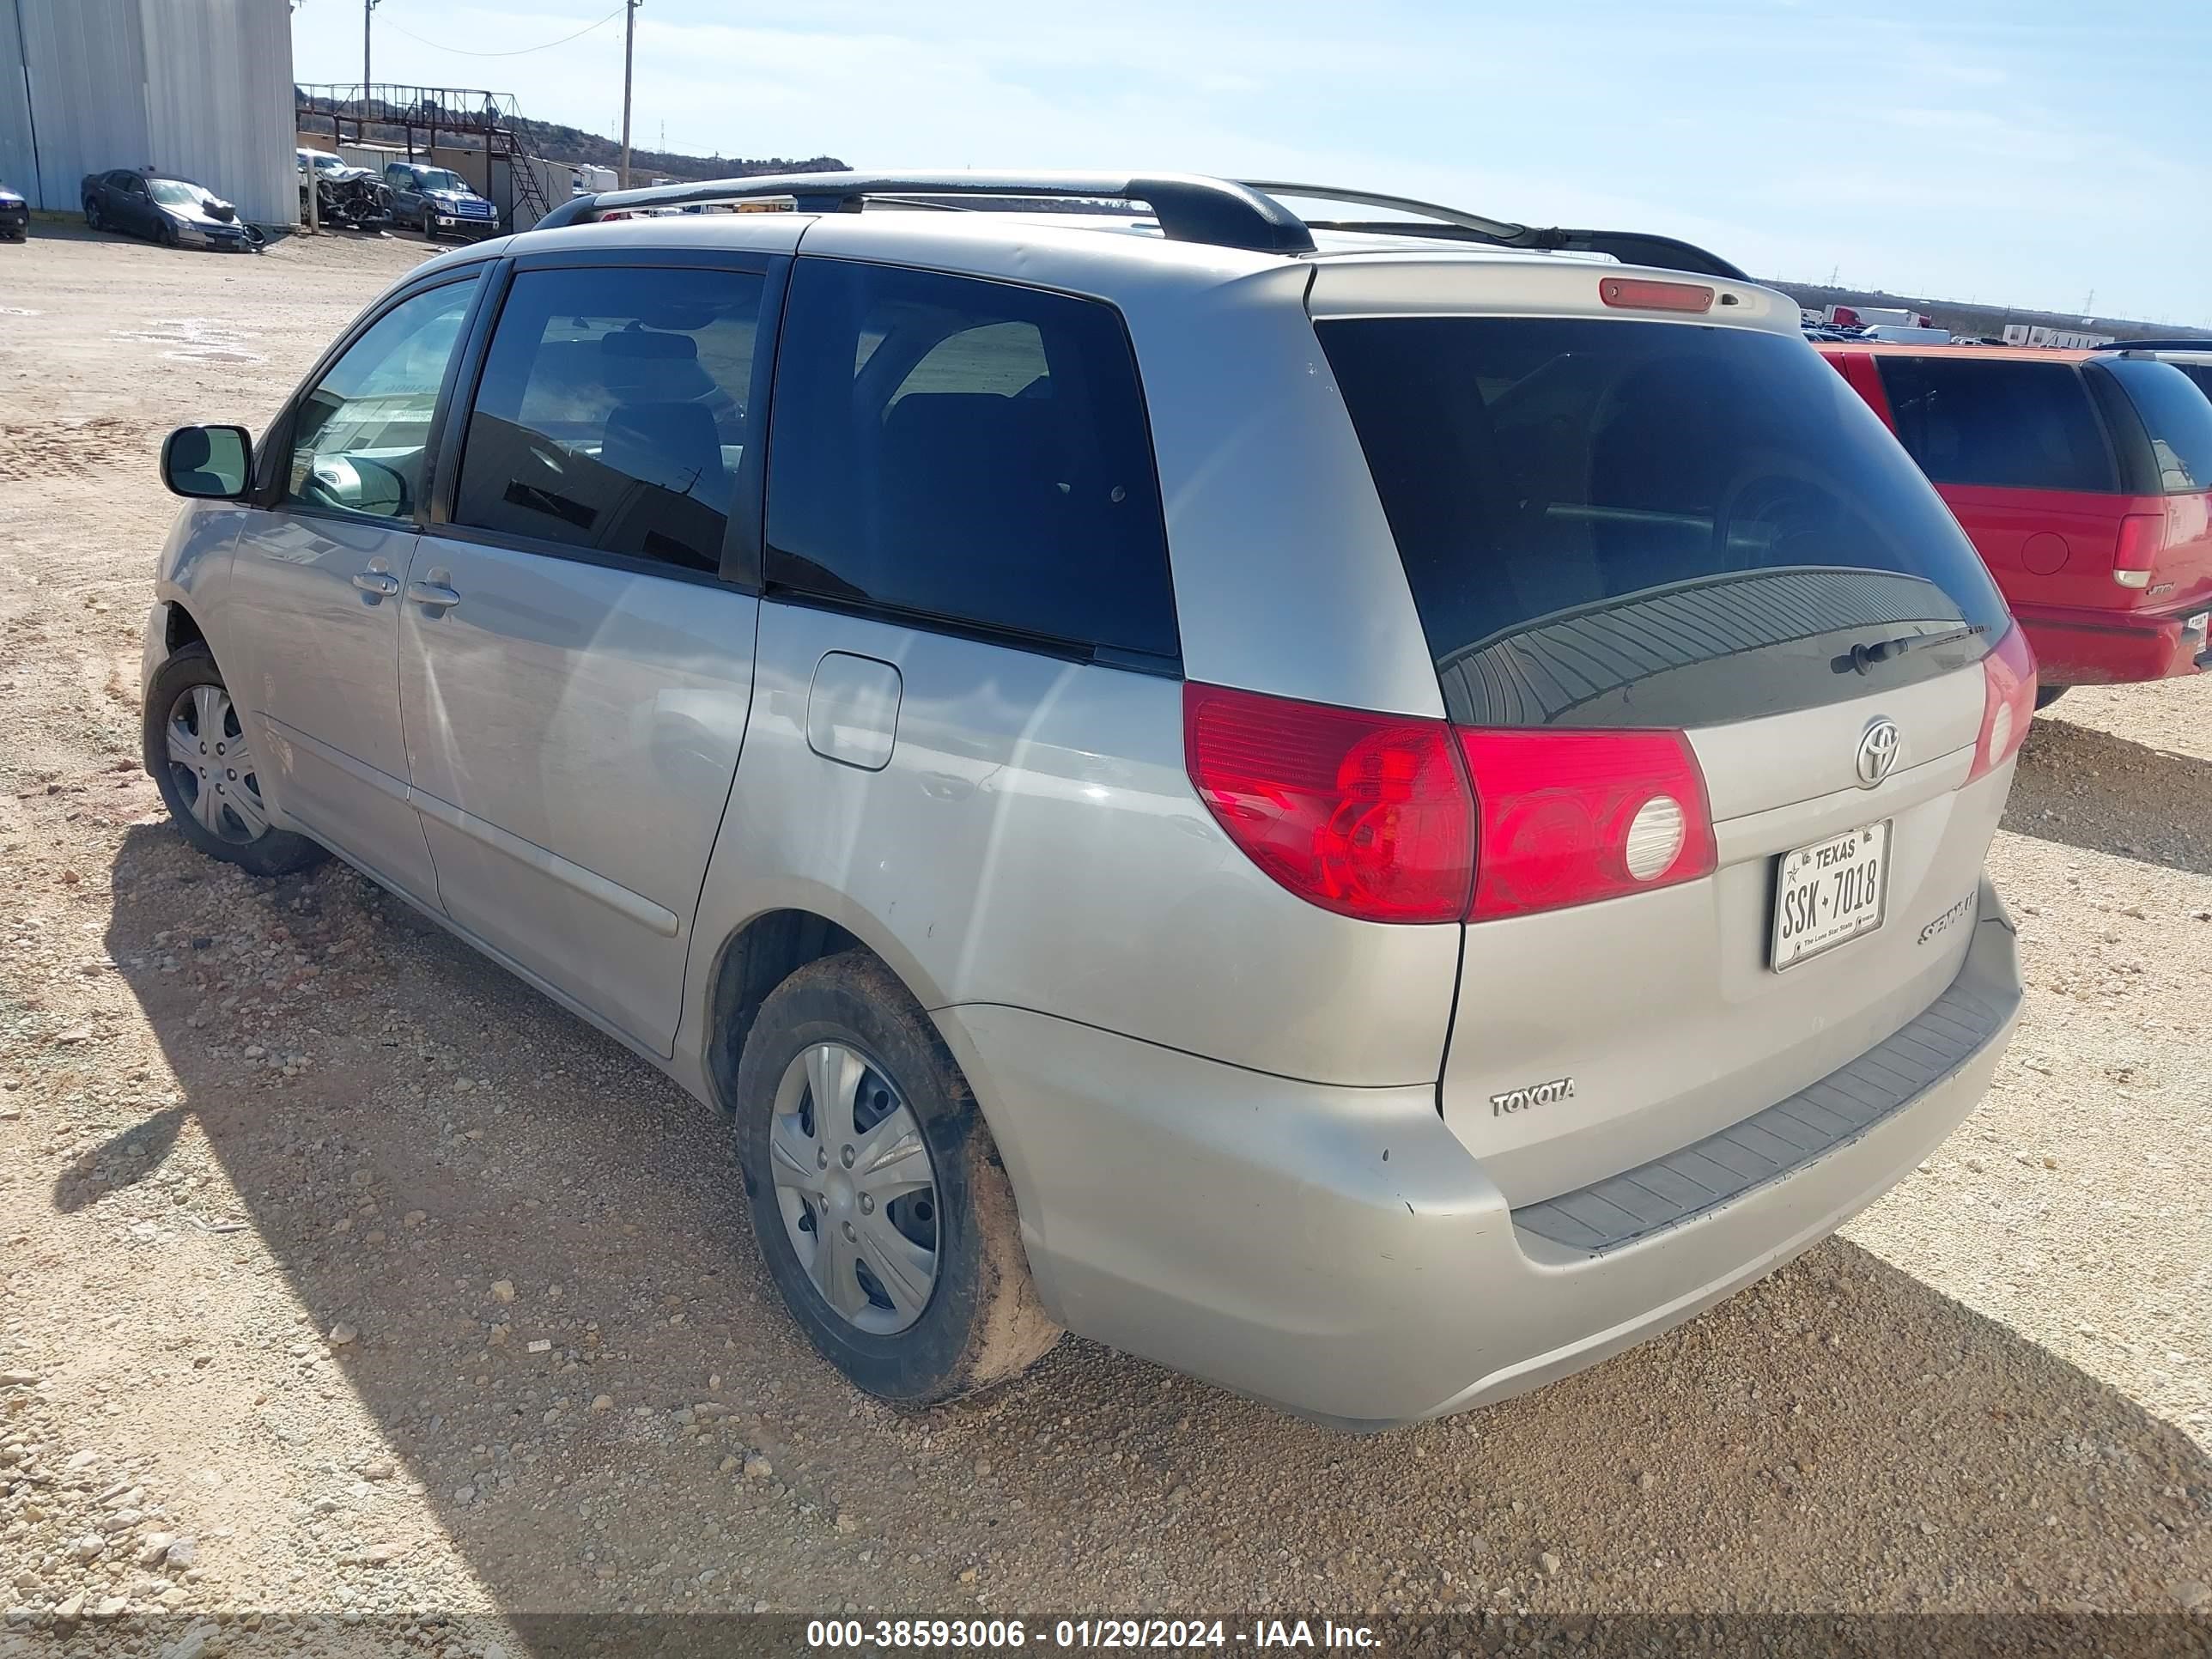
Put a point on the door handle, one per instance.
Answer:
(376, 581)
(433, 593)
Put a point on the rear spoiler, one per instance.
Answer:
(1632, 248)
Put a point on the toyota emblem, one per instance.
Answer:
(1878, 746)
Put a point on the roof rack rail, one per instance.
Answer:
(2203, 342)
(1189, 207)
(1634, 247)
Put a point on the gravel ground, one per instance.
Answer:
(345, 1274)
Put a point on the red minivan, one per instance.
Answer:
(2084, 478)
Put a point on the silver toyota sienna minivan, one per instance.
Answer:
(1373, 808)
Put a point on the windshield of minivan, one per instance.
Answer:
(1624, 523)
(2178, 417)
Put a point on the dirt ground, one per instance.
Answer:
(345, 1274)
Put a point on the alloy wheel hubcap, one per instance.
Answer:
(212, 766)
(856, 1188)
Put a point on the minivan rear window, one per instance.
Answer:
(2177, 418)
(1622, 523)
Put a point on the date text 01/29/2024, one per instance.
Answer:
(1167, 1634)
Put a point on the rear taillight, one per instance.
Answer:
(1569, 818)
(1367, 815)
(2008, 702)
(1372, 816)
(2142, 539)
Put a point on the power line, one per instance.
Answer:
(519, 52)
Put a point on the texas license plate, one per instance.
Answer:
(1829, 893)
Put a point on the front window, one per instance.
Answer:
(437, 179)
(358, 440)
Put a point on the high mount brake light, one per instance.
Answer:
(1397, 819)
(1641, 293)
(2008, 702)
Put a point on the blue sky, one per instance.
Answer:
(2026, 152)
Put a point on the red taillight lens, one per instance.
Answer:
(2008, 702)
(1367, 815)
(2142, 539)
(1569, 818)
(1641, 294)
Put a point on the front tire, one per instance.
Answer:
(199, 756)
(878, 1199)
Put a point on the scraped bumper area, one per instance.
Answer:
(1336, 1251)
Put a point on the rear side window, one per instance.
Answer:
(967, 451)
(1620, 523)
(612, 414)
(2177, 421)
(2012, 425)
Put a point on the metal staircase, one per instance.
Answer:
(421, 118)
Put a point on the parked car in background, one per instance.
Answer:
(174, 212)
(14, 214)
(438, 202)
(1376, 830)
(1905, 334)
(2084, 478)
(2193, 358)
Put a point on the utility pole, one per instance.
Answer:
(629, 43)
(367, 9)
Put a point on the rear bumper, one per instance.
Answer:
(2094, 647)
(1338, 1252)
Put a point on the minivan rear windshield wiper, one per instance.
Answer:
(1863, 658)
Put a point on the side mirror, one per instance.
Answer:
(208, 462)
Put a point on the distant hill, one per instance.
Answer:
(557, 142)
(1975, 321)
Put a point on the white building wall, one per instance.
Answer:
(198, 87)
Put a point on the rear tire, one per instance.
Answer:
(979, 1321)
(2047, 694)
(92, 215)
(201, 758)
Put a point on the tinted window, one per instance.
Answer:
(358, 438)
(2176, 417)
(2022, 426)
(966, 450)
(1651, 524)
(611, 412)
